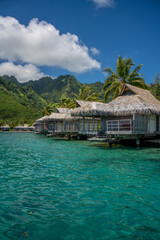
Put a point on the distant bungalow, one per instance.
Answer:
(5, 128)
(25, 128)
(135, 114)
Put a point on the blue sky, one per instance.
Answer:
(98, 31)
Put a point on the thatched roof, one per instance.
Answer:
(21, 126)
(40, 120)
(6, 126)
(82, 103)
(61, 117)
(62, 114)
(63, 110)
(144, 94)
(31, 127)
(132, 100)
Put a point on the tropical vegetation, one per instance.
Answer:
(47, 111)
(67, 103)
(86, 93)
(25, 102)
(123, 74)
(22, 103)
(155, 87)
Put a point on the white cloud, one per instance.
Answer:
(42, 44)
(103, 3)
(22, 73)
(95, 51)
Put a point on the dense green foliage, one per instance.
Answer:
(25, 102)
(55, 90)
(86, 93)
(123, 74)
(67, 103)
(47, 111)
(18, 104)
(155, 87)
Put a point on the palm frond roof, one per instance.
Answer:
(21, 126)
(5, 126)
(131, 100)
(82, 103)
(61, 117)
(63, 110)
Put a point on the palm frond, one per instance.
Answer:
(117, 91)
(108, 70)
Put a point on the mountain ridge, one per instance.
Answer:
(24, 102)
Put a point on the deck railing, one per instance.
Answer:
(119, 126)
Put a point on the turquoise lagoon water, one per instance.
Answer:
(56, 189)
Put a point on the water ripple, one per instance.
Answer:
(77, 190)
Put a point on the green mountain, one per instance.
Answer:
(18, 103)
(54, 90)
(24, 102)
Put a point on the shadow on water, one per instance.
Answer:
(123, 146)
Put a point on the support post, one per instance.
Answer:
(83, 124)
(137, 141)
(134, 122)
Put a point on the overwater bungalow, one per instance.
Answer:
(59, 123)
(40, 125)
(62, 123)
(5, 128)
(45, 124)
(134, 114)
(23, 128)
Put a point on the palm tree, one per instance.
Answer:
(86, 93)
(123, 74)
(47, 111)
(155, 87)
(68, 103)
